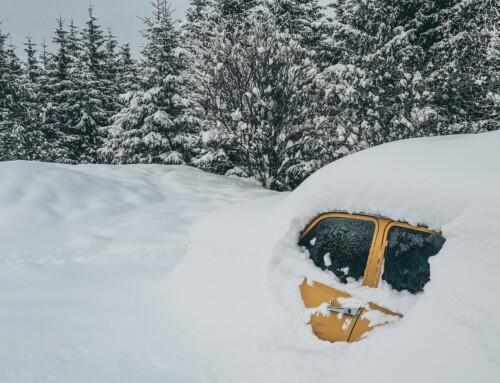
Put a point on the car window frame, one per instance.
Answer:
(370, 265)
(384, 240)
(376, 257)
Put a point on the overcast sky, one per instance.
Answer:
(38, 17)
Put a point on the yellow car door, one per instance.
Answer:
(402, 263)
(355, 247)
(343, 244)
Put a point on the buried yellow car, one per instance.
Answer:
(356, 247)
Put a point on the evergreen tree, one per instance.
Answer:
(302, 19)
(83, 97)
(462, 62)
(31, 101)
(62, 58)
(110, 77)
(20, 137)
(415, 68)
(93, 42)
(74, 45)
(201, 24)
(44, 56)
(92, 98)
(153, 127)
(60, 110)
(377, 82)
(126, 70)
(32, 68)
(110, 58)
(235, 9)
(11, 129)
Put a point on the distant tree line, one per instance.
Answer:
(271, 90)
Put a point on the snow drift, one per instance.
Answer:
(54, 213)
(243, 319)
(84, 252)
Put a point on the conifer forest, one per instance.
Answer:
(270, 90)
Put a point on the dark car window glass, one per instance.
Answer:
(341, 245)
(407, 258)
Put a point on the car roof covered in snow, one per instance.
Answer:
(421, 181)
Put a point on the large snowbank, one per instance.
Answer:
(84, 252)
(57, 214)
(237, 310)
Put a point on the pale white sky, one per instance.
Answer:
(38, 17)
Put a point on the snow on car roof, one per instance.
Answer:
(422, 181)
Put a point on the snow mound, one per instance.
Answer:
(84, 254)
(104, 213)
(236, 306)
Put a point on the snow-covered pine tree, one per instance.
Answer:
(261, 103)
(31, 101)
(153, 127)
(59, 95)
(11, 110)
(44, 56)
(74, 43)
(110, 75)
(378, 80)
(20, 138)
(110, 55)
(45, 70)
(81, 96)
(415, 68)
(302, 19)
(93, 101)
(93, 41)
(201, 24)
(235, 9)
(32, 69)
(127, 70)
(461, 40)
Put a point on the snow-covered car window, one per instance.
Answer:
(407, 258)
(341, 245)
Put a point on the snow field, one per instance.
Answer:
(84, 254)
(100, 280)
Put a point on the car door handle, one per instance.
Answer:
(351, 311)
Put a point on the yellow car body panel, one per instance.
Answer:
(332, 327)
(335, 327)
(365, 325)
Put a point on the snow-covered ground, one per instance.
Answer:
(100, 281)
(84, 254)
